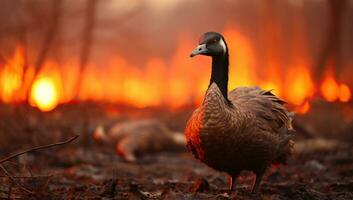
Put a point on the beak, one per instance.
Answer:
(201, 49)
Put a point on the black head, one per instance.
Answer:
(211, 44)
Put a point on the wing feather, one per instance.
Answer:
(269, 110)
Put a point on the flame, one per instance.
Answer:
(182, 70)
(344, 93)
(242, 69)
(174, 83)
(11, 77)
(332, 90)
(299, 85)
(329, 89)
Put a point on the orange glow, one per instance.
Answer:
(242, 68)
(272, 80)
(302, 109)
(44, 94)
(183, 70)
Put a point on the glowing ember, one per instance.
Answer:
(44, 94)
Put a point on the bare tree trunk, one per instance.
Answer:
(330, 54)
(22, 37)
(48, 40)
(23, 41)
(87, 40)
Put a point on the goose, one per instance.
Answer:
(247, 129)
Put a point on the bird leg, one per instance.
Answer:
(256, 185)
(232, 186)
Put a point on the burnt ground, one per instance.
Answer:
(84, 169)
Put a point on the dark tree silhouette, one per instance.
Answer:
(53, 26)
(87, 40)
(330, 54)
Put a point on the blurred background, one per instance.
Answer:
(118, 73)
(136, 53)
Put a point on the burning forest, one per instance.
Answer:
(95, 97)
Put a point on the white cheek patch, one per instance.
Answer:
(223, 45)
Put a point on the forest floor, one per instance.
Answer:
(84, 169)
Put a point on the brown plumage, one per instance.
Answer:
(247, 129)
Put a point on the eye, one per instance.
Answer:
(214, 41)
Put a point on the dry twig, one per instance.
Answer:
(38, 148)
(14, 181)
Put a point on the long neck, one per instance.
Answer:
(219, 74)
